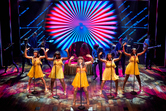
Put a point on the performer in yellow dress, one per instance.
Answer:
(35, 70)
(57, 65)
(133, 61)
(109, 70)
(81, 70)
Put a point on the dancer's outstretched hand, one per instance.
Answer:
(43, 48)
(88, 55)
(72, 57)
(124, 44)
(27, 48)
(47, 50)
(120, 51)
(67, 50)
(100, 53)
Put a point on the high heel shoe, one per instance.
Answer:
(74, 103)
(100, 92)
(64, 93)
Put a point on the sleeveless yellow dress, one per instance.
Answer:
(36, 69)
(84, 81)
(107, 72)
(130, 66)
(59, 70)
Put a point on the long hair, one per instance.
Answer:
(111, 57)
(132, 51)
(83, 63)
(57, 53)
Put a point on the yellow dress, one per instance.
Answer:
(107, 72)
(36, 69)
(59, 70)
(130, 66)
(84, 81)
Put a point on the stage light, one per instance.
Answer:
(39, 15)
(88, 21)
(25, 33)
(122, 4)
(136, 16)
(24, 11)
(40, 22)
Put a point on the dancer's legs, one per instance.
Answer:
(75, 92)
(87, 94)
(126, 78)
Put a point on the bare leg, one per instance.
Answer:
(126, 78)
(29, 82)
(87, 94)
(102, 85)
(116, 84)
(44, 83)
(63, 85)
(75, 92)
(139, 81)
(52, 84)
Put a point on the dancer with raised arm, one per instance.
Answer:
(35, 70)
(81, 67)
(57, 65)
(108, 71)
(133, 61)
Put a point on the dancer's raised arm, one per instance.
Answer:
(89, 62)
(71, 65)
(143, 50)
(119, 56)
(102, 60)
(65, 58)
(127, 54)
(45, 52)
(26, 56)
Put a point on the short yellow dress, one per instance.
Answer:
(84, 81)
(36, 69)
(130, 66)
(107, 72)
(59, 70)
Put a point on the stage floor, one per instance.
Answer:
(13, 95)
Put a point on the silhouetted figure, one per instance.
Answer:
(8, 57)
(44, 45)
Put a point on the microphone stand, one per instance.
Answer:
(34, 91)
(133, 92)
(56, 95)
(81, 107)
(111, 96)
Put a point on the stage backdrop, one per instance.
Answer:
(101, 22)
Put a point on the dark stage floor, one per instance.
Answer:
(13, 95)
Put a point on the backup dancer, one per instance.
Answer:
(35, 70)
(109, 70)
(81, 67)
(57, 64)
(130, 67)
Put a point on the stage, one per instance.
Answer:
(79, 26)
(13, 95)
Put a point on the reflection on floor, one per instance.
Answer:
(13, 95)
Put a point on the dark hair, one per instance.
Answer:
(38, 55)
(107, 56)
(83, 63)
(95, 46)
(132, 51)
(57, 53)
(84, 46)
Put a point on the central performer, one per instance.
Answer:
(81, 67)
